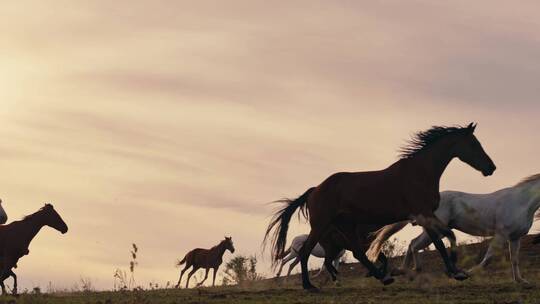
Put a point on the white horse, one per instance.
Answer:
(507, 215)
(292, 253)
(3, 215)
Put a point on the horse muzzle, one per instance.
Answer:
(64, 230)
(489, 171)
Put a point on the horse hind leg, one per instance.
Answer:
(421, 242)
(292, 265)
(205, 277)
(190, 274)
(285, 260)
(331, 253)
(181, 275)
(329, 266)
(321, 269)
(312, 240)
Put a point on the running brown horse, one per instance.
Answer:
(356, 203)
(15, 238)
(205, 258)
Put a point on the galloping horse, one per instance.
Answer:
(354, 203)
(292, 254)
(15, 238)
(205, 258)
(507, 215)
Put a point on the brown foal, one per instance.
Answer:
(205, 258)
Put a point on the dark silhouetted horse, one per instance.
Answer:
(15, 238)
(356, 203)
(205, 258)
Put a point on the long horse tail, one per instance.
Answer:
(276, 232)
(182, 262)
(381, 236)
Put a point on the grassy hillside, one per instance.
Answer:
(431, 286)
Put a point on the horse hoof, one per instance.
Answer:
(460, 276)
(312, 289)
(387, 281)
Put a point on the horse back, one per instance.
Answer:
(203, 258)
(373, 193)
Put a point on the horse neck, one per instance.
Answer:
(532, 191)
(219, 249)
(429, 164)
(34, 223)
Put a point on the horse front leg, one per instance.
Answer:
(432, 226)
(373, 270)
(8, 263)
(514, 258)
(214, 276)
(14, 276)
(496, 244)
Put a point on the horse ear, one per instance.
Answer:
(471, 127)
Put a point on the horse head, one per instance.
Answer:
(53, 219)
(229, 244)
(469, 150)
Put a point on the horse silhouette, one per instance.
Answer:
(16, 236)
(356, 203)
(205, 258)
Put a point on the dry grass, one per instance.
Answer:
(425, 288)
(491, 286)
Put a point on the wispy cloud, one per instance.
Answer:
(153, 121)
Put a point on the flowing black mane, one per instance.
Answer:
(37, 212)
(424, 139)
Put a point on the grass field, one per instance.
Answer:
(493, 285)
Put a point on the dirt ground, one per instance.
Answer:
(493, 285)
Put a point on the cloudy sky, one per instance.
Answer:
(172, 123)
